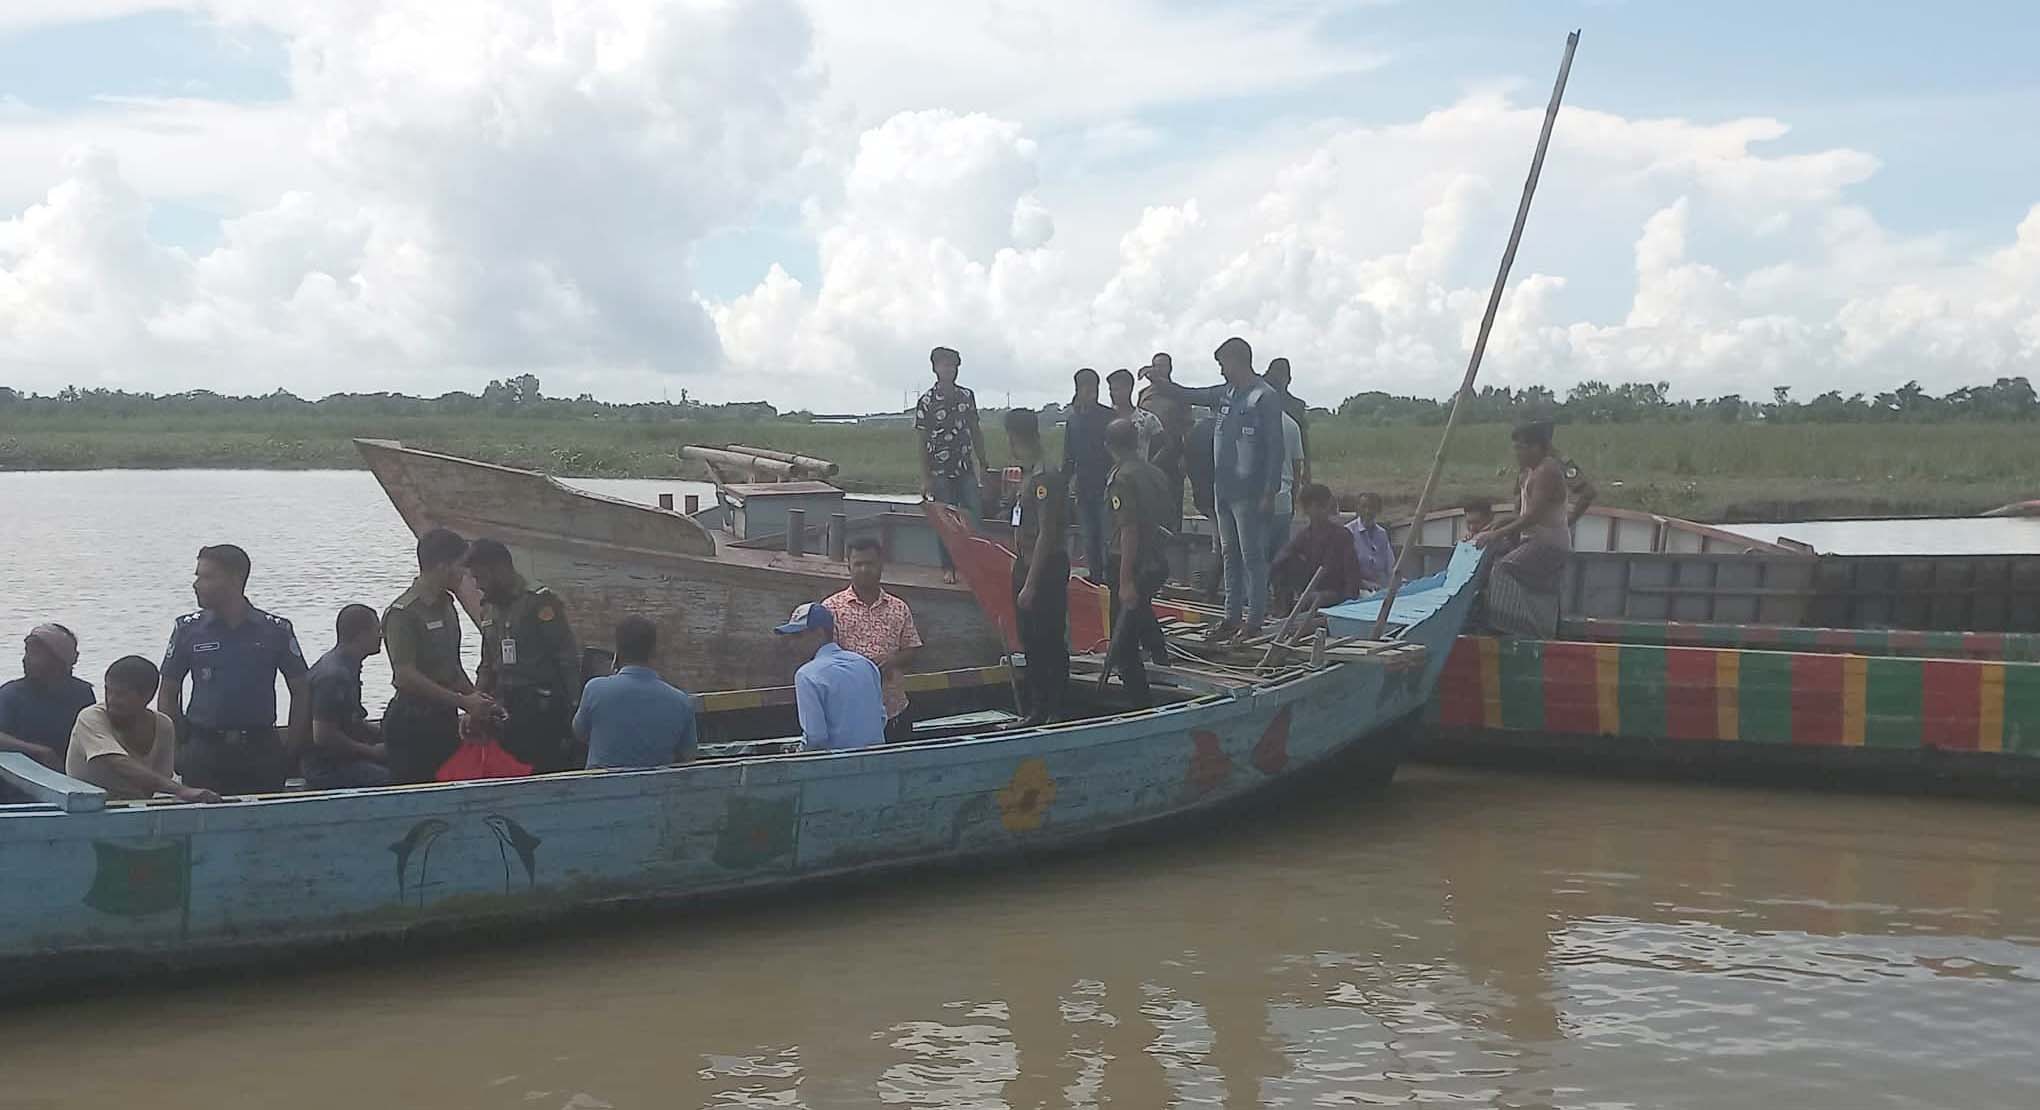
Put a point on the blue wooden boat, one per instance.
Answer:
(95, 888)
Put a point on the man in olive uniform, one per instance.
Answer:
(530, 662)
(1137, 493)
(421, 635)
(1041, 572)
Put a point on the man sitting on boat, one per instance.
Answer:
(634, 718)
(38, 709)
(347, 750)
(1523, 589)
(1369, 540)
(125, 748)
(1324, 551)
(879, 626)
(837, 691)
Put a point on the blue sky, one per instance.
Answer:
(1943, 98)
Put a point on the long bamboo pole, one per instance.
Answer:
(1487, 324)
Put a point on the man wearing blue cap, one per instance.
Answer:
(838, 691)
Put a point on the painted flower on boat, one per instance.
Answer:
(1024, 802)
(1210, 767)
(1271, 755)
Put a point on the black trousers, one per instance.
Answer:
(1045, 637)
(233, 761)
(539, 730)
(1133, 632)
(420, 736)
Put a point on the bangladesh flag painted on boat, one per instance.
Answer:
(755, 832)
(136, 880)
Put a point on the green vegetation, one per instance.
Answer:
(1683, 461)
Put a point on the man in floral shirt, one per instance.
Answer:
(952, 443)
(878, 626)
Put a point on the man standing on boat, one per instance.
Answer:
(1523, 590)
(232, 653)
(1278, 378)
(421, 630)
(347, 751)
(1247, 459)
(952, 444)
(38, 709)
(836, 690)
(531, 663)
(1119, 387)
(1167, 451)
(1087, 462)
(1041, 573)
(880, 627)
(1137, 492)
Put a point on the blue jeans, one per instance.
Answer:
(1092, 522)
(964, 493)
(1243, 537)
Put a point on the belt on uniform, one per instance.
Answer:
(262, 734)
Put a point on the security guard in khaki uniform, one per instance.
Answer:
(530, 661)
(1137, 493)
(421, 633)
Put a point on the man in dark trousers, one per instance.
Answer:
(1087, 463)
(531, 663)
(232, 652)
(1041, 573)
(1137, 493)
(421, 632)
(347, 751)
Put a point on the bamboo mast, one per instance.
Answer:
(1487, 323)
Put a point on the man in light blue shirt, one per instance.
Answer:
(838, 691)
(633, 718)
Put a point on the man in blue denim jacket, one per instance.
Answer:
(1248, 457)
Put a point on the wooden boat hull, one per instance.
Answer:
(714, 601)
(183, 884)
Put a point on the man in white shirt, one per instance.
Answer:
(1283, 516)
(124, 747)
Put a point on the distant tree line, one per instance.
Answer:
(1590, 402)
(1594, 402)
(520, 396)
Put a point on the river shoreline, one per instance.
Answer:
(1731, 474)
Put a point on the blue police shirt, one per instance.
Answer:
(839, 699)
(634, 718)
(233, 668)
(44, 714)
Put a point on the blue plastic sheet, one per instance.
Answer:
(1418, 599)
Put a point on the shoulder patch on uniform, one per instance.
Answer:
(1115, 500)
(1041, 491)
(546, 613)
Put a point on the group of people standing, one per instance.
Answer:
(1242, 446)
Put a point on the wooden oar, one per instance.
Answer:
(1289, 622)
(1487, 324)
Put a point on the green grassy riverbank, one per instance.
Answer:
(1699, 470)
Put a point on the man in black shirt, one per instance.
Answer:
(1041, 573)
(347, 751)
(1087, 463)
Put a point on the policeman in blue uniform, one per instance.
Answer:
(232, 652)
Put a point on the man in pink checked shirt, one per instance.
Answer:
(878, 626)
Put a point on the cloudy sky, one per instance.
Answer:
(794, 201)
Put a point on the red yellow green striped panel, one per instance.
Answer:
(1763, 697)
(2008, 646)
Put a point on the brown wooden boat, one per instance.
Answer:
(715, 591)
